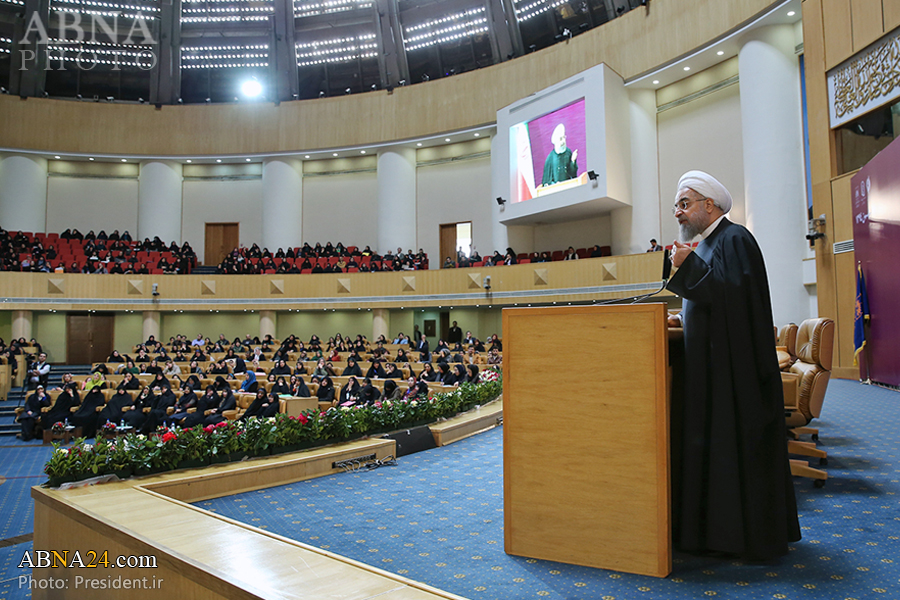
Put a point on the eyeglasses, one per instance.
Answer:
(682, 205)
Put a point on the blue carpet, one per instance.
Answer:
(437, 517)
(10, 586)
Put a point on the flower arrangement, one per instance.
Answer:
(58, 428)
(167, 449)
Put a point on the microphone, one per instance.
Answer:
(666, 274)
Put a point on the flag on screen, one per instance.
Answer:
(524, 169)
(861, 316)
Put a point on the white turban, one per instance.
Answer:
(707, 186)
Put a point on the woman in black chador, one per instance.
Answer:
(87, 415)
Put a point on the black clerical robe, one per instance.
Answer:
(732, 486)
(559, 167)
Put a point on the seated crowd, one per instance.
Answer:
(73, 252)
(319, 259)
(511, 258)
(189, 382)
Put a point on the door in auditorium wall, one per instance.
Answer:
(221, 239)
(448, 245)
(89, 337)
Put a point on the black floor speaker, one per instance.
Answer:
(410, 441)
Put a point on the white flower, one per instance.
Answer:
(413, 403)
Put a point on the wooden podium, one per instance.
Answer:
(586, 436)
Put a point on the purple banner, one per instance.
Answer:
(876, 240)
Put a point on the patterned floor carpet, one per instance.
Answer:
(437, 517)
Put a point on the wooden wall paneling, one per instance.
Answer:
(891, 10)
(842, 207)
(817, 93)
(845, 284)
(633, 44)
(868, 22)
(836, 15)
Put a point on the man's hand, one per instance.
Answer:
(574, 155)
(680, 253)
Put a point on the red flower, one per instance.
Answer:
(169, 436)
(303, 418)
(222, 424)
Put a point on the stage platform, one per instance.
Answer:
(202, 555)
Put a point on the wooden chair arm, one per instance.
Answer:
(170, 410)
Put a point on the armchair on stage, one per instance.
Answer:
(804, 392)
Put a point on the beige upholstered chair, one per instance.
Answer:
(805, 385)
(786, 346)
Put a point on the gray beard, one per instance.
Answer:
(688, 231)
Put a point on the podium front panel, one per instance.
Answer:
(586, 436)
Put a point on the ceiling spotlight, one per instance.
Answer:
(687, 68)
(592, 175)
(402, 82)
(374, 87)
(419, 144)
(656, 82)
(247, 159)
(77, 97)
(347, 91)
(791, 13)
(188, 161)
(218, 160)
(296, 96)
(446, 139)
(110, 99)
(720, 53)
(334, 153)
(91, 158)
(500, 201)
(477, 134)
(362, 151)
(306, 156)
(124, 160)
(141, 100)
(251, 88)
(208, 100)
(426, 77)
(180, 101)
(56, 157)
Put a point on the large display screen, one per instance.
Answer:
(549, 152)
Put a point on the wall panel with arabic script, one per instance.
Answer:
(868, 80)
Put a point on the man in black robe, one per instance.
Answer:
(732, 487)
(561, 163)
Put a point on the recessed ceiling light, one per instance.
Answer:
(419, 144)
(477, 134)
(307, 156)
(720, 53)
(248, 160)
(791, 13)
(124, 160)
(687, 68)
(91, 158)
(56, 157)
(218, 160)
(334, 154)
(188, 161)
(656, 82)
(362, 151)
(446, 139)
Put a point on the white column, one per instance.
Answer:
(151, 325)
(282, 207)
(396, 199)
(268, 320)
(23, 193)
(500, 233)
(632, 228)
(774, 186)
(159, 202)
(21, 324)
(381, 323)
